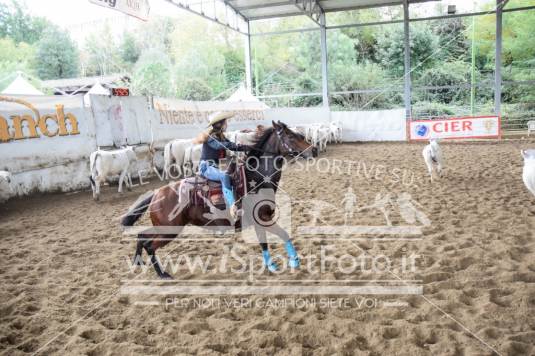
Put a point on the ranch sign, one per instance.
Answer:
(455, 128)
(24, 126)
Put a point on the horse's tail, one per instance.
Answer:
(137, 210)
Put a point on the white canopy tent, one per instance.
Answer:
(96, 89)
(21, 86)
(243, 95)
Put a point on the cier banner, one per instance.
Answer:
(455, 128)
(136, 8)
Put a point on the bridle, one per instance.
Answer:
(289, 151)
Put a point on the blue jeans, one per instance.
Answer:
(210, 172)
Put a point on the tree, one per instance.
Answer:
(129, 49)
(234, 67)
(452, 39)
(15, 57)
(447, 74)
(423, 47)
(101, 54)
(18, 25)
(361, 76)
(152, 75)
(56, 55)
(194, 89)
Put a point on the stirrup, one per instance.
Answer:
(234, 212)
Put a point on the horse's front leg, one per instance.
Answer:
(293, 258)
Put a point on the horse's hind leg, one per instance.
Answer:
(293, 258)
(268, 261)
(138, 260)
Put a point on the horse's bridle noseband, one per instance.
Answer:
(290, 152)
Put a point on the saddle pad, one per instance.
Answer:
(205, 189)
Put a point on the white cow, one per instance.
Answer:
(300, 130)
(192, 158)
(245, 137)
(335, 128)
(242, 137)
(104, 164)
(175, 151)
(5, 185)
(320, 137)
(528, 173)
(433, 156)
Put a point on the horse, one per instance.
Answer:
(265, 158)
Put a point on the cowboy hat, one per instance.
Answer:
(219, 116)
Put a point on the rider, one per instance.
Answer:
(214, 146)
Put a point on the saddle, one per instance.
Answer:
(205, 191)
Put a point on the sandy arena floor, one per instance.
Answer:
(64, 261)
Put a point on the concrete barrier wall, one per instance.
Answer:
(381, 125)
(46, 143)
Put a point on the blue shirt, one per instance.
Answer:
(214, 149)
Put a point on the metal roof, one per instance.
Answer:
(262, 9)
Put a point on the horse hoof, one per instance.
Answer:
(272, 267)
(294, 262)
(165, 275)
(138, 262)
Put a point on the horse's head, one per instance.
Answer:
(292, 143)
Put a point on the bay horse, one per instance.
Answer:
(265, 158)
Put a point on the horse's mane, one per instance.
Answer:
(261, 140)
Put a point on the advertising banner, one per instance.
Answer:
(455, 128)
(136, 8)
(196, 113)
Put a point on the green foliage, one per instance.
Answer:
(102, 56)
(423, 45)
(360, 76)
(152, 75)
(56, 55)
(129, 49)
(431, 109)
(13, 58)
(234, 67)
(194, 89)
(16, 24)
(452, 39)
(190, 58)
(448, 74)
